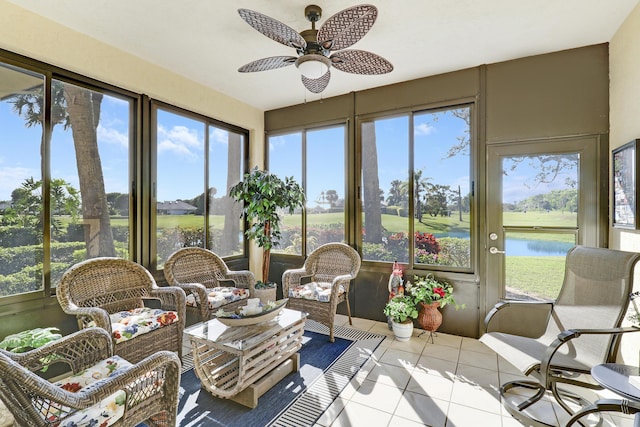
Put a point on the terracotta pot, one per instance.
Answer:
(402, 331)
(430, 317)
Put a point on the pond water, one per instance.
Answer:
(521, 247)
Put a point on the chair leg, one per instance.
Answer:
(348, 310)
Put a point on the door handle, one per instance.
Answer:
(493, 250)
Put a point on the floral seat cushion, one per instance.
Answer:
(128, 324)
(219, 296)
(105, 413)
(319, 291)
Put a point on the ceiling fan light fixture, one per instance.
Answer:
(313, 66)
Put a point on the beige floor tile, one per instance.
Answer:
(479, 359)
(464, 416)
(432, 385)
(447, 339)
(424, 409)
(473, 344)
(392, 375)
(442, 352)
(397, 421)
(361, 324)
(477, 376)
(355, 414)
(402, 358)
(434, 366)
(414, 345)
(541, 410)
(332, 412)
(509, 421)
(379, 396)
(477, 397)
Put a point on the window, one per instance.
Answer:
(64, 175)
(197, 162)
(416, 181)
(315, 158)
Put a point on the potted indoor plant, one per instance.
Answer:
(429, 294)
(263, 195)
(401, 310)
(31, 339)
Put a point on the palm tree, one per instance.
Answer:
(79, 109)
(371, 185)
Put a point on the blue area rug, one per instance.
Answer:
(300, 398)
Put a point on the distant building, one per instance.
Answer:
(175, 208)
(4, 205)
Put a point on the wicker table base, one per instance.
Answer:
(242, 363)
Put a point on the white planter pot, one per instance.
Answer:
(402, 331)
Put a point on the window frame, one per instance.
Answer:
(303, 130)
(474, 164)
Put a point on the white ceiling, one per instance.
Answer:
(207, 41)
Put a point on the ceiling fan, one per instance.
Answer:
(319, 50)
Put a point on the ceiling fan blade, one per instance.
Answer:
(316, 85)
(347, 27)
(265, 64)
(273, 29)
(360, 62)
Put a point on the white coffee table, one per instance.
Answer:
(242, 363)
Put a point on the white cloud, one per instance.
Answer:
(179, 140)
(424, 129)
(12, 178)
(112, 136)
(219, 135)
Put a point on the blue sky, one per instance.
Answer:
(181, 154)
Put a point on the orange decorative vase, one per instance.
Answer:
(430, 317)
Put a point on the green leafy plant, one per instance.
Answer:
(32, 339)
(401, 309)
(429, 290)
(262, 285)
(263, 195)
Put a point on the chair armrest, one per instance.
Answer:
(292, 277)
(200, 291)
(169, 296)
(151, 375)
(503, 307)
(344, 280)
(243, 279)
(80, 350)
(99, 316)
(565, 337)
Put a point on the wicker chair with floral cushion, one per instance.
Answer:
(204, 276)
(95, 387)
(111, 293)
(322, 283)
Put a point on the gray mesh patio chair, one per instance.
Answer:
(95, 386)
(199, 271)
(322, 283)
(582, 330)
(110, 293)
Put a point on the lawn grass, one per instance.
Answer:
(536, 276)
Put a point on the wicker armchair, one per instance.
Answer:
(111, 293)
(329, 270)
(198, 271)
(144, 392)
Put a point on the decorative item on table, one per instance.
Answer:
(265, 291)
(395, 285)
(402, 310)
(252, 313)
(430, 294)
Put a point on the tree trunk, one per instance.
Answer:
(371, 185)
(233, 210)
(83, 107)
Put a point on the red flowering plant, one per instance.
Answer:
(429, 290)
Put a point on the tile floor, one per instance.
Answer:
(451, 382)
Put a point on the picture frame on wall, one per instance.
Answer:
(625, 178)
